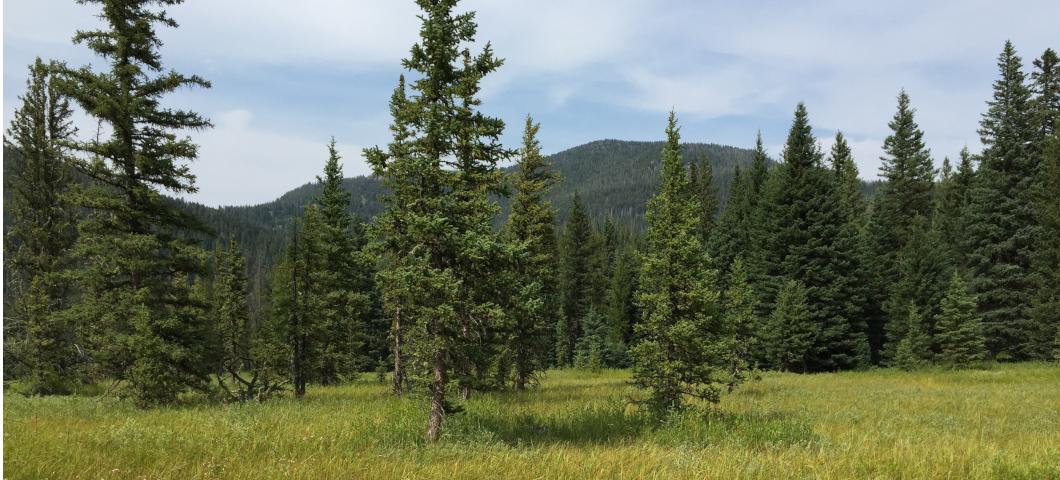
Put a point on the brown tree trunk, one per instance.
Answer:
(399, 366)
(434, 422)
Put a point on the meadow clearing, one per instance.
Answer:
(1002, 422)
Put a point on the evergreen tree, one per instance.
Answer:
(906, 193)
(243, 345)
(954, 191)
(532, 226)
(683, 347)
(914, 349)
(597, 348)
(137, 260)
(578, 278)
(815, 243)
(440, 250)
(741, 320)
(344, 281)
(959, 333)
(1046, 307)
(741, 230)
(1002, 223)
(790, 335)
(846, 172)
(922, 272)
(1045, 87)
(701, 174)
(41, 230)
(622, 311)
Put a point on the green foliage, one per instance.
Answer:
(952, 207)
(790, 335)
(598, 348)
(683, 347)
(914, 349)
(439, 249)
(741, 320)
(145, 327)
(812, 240)
(40, 342)
(1002, 225)
(701, 177)
(581, 280)
(922, 273)
(958, 330)
(531, 226)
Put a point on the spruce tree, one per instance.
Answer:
(622, 311)
(739, 313)
(958, 331)
(683, 346)
(1045, 87)
(814, 242)
(579, 284)
(40, 219)
(701, 174)
(914, 349)
(907, 192)
(951, 213)
(1046, 303)
(344, 281)
(922, 272)
(1002, 221)
(532, 226)
(439, 249)
(137, 255)
(741, 230)
(790, 335)
(846, 173)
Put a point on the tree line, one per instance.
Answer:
(798, 270)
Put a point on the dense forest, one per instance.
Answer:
(463, 265)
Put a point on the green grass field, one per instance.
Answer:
(997, 423)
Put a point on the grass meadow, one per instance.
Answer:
(1003, 422)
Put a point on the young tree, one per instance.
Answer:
(1002, 221)
(134, 239)
(790, 335)
(846, 173)
(814, 242)
(683, 347)
(531, 226)
(622, 311)
(41, 230)
(958, 331)
(922, 273)
(740, 318)
(914, 349)
(436, 236)
(951, 212)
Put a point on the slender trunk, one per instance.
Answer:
(465, 391)
(434, 422)
(399, 366)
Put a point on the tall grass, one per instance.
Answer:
(998, 423)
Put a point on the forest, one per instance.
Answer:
(475, 309)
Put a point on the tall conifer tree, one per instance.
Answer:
(684, 348)
(440, 250)
(1002, 221)
(41, 231)
(137, 261)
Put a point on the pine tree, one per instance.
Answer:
(1002, 223)
(907, 192)
(914, 349)
(579, 284)
(814, 242)
(597, 348)
(137, 258)
(741, 320)
(344, 282)
(1045, 87)
(790, 335)
(440, 251)
(41, 230)
(701, 174)
(532, 226)
(959, 333)
(741, 230)
(622, 311)
(1046, 307)
(951, 213)
(683, 347)
(846, 173)
(922, 272)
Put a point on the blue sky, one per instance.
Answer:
(289, 75)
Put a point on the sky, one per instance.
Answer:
(287, 76)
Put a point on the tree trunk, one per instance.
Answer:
(434, 422)
(399, 366)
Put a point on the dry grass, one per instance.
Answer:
(997, 423)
